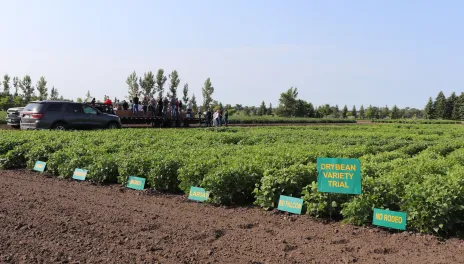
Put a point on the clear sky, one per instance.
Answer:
(336, 52)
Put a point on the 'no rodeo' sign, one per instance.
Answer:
(339, 175)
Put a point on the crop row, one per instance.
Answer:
(416, 169)
(285, 120)
(416, 121)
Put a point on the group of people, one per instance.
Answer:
(216, 118)
(157, 107)
(160, 107)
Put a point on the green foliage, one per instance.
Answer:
(417, 169)
(131, 81)
(42, 89)
(286, 181)
(27, 88)
(207, 92)
(288, 103)
(147, 84)
(174, 77)
(242, 119)
(185, 97)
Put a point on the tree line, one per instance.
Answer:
(18, 92)
(451, 108)
(291, 106)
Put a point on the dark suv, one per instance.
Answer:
(64, 115)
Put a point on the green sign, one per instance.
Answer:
(339, 175)
(79, 174)
(290, 204)
(39, 166)
(136, 183)
(198, 194)
(389, 219)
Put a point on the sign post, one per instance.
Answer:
(391, 219)
(39, 166)
(290, 204)
(79, 174)
(198, 194)
(136, 183)
(337, 175)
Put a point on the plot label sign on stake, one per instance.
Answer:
(198, 194)
(39, 166)
(290, 204)
(389, 219)
(79, 174)
(339, 175)
(136, 183)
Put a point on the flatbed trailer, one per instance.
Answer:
(164, 120)
(128, 118)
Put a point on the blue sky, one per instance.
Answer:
(336, 52)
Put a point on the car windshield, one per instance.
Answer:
(32, 107)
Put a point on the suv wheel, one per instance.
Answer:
(112, 125)
(59, 126)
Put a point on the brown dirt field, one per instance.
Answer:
(48, 220)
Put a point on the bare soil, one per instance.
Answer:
(48, 220)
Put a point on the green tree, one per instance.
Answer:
(354, 113)
(429, 109)
(336, 111)
(174, 83)
(88, 97)
(450, 102)
(311, 111)
(246, 111)
(54, 93)
(6, 85)
(458, 110)
(385, 112)
(395, 113)
(269, 110)
(301, 109)
(147, 84)
(440, 106)
(370, 112)
(27, 88)
(325, 110)
(345, 111)
(42, 89)
(262, 109)
(362, 113)
(131, 81)
(185, 97)
(207, 92)
(79, 100)
(16, 85)
(194, 104)
(288, 102)
(160, 80)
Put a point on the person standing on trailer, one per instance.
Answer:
(173, 106)
(166, 105)
(153, 105)
(208, 117)
(160, 105)
(180, 108)
(145, 106)
(135, 104)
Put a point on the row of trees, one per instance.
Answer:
(24, 91)
(151, 85)
(445, 108)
